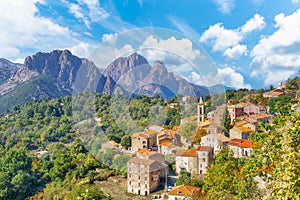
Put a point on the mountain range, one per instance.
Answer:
(60, 73)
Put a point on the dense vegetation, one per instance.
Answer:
(66, 166)
(49, 149)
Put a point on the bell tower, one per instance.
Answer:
(200, 111)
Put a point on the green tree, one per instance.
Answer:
(188, 130)
(225, 180)
(184, 178)
(126, 141)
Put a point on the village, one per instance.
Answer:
(149, 171)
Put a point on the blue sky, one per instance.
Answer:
(253, 43)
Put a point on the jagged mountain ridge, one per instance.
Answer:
(7, 68)
(64, 73)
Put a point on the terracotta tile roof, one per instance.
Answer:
(243, 129)
(246, 144)
(169, 145)
(204, 148)
(190, 153)
(275, 92)
(140, 134)
(184, 190)
(235, 142)
(146, 151)
(298, 99)
(241, 143)
(240, 123)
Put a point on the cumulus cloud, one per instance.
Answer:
(228, 40)
(206, 80)
(181, 47)
(25, 28)
(236, 52)
(232, 78)
(226, 76)
(220, 37)
(255, 23)
(224, 6)
(82, 49)
(295, 1)
(278, 52)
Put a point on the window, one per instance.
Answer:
(203, 159)
(139, 177)
(139, 184)
(129, 182)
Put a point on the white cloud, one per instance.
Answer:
(206, 80)
(232, 78)
(24, 28)
(226, 76)
(110, 38)
(236, 52)
(91, 11)
(96, 12)
(180, 47)
(224, 6)
(82, 49)
(220, 37)
(228, 40)
(255, 23)
(278, 52)
(295, 1)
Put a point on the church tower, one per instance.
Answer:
(200, 111)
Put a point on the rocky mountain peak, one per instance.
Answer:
(123, 65)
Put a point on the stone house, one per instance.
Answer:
(145, 175)
(240, 147)
(250, 108)
(195, 160)
(184, 192)
(210, 127)
(216, 141)
(217, 115)
(235, 111)
(273, 93)
(167, 148)
(150, 155)
(139, 140)
(204, 158)
(240, 132)
(187, 160)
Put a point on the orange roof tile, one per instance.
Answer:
(184, 190)
(243, 129)
(241, 123)
(204, 148)
(246, 144)
(146, 151)
(190, 153)
(139, 134)
(235, 142)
